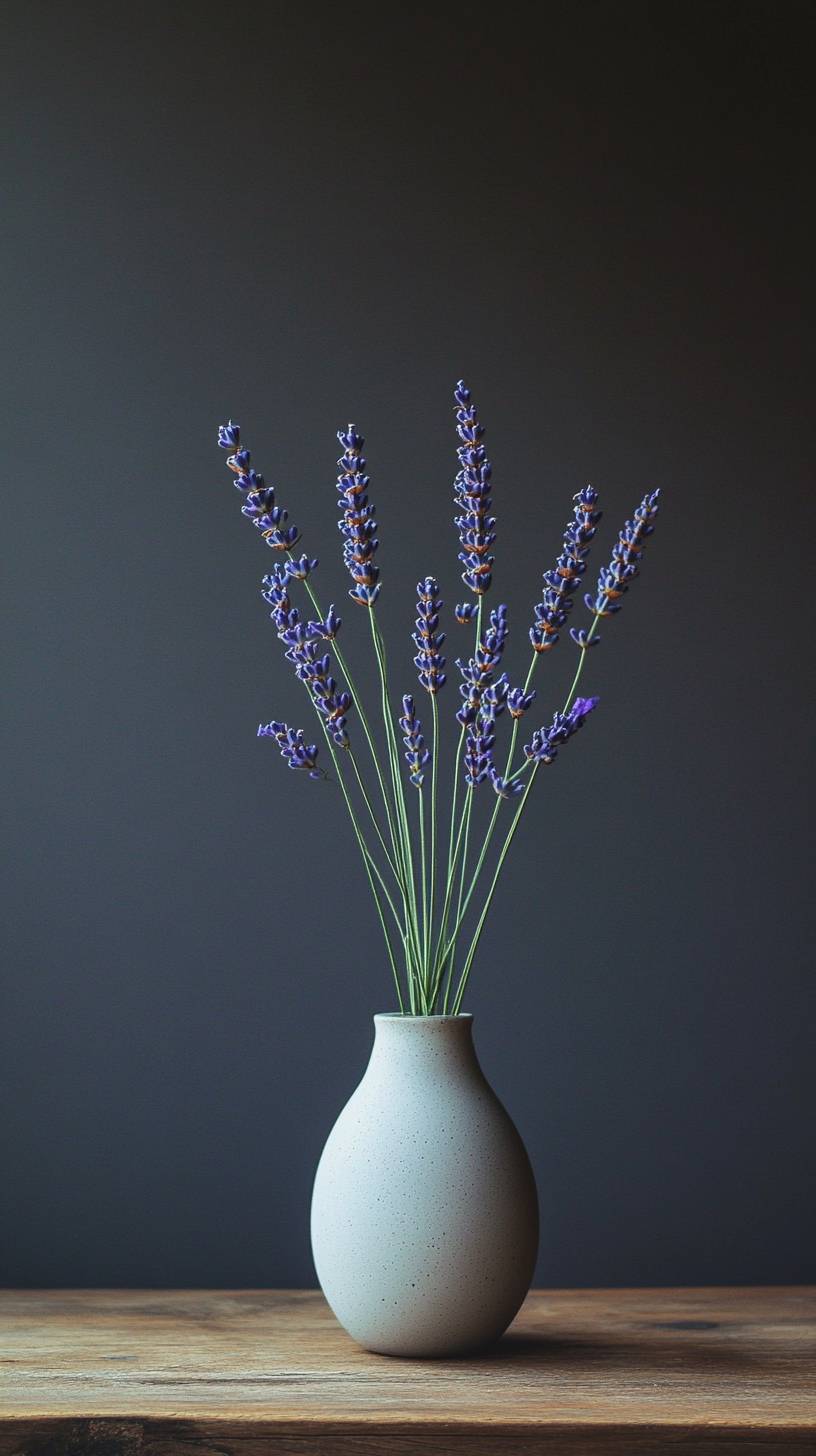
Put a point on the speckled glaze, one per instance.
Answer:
(424, 1213)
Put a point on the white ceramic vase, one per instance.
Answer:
(424, 1212)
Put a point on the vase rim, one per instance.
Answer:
(407, 1017)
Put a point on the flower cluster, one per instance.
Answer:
(302, 642)
(484, 698)
(615, 579)
(313, 667)
(429, 662)
(357, 524)
(259, 498)
(293, 746)
(416, 753)
(543, 747)
(561, 583)
(478, 757)
(477, 672)
(472, 492)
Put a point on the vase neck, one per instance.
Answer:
(424, 1046)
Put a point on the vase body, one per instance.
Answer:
(424, 1212)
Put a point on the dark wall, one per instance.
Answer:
(601, 215)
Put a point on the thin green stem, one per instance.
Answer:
(434, 775)
(482, 918)
(403, 834)
(590, 634)
(368, 862)
(358, 703)
(374, 820)
(511, 832)
(424, 879)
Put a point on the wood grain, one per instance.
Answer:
(209, 1373)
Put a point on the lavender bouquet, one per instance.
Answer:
(432, 884)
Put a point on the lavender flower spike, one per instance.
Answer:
(477, 672)
(478, 755)
(543, 747)
(472, 494)
(357, 524)
(561, 583)
(428, 639)
(416, 753)
(615, 579)
(259, 498)
(297, 752)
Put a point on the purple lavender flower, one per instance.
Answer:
(477, 671)
(615, 579)
(472, 495)
(259, 498)
(298, 753)
(505, 788)
(518, 701)
(582, 639)
(428, 639)
(493, 642)
(416, 753)
(329, 627)
(543, 747)
(494, 696)
(478, 756)
(464, 612)
(357, 525)
(301, 640)
(561, 583)
(301, 569)
(276, 588)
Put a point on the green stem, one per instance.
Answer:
(361, 713)
(434, 767)
(403, 835)
(590, 634)
(368, 862)
(374, 820)
(505, 847)
(482, 918)
(424, 878)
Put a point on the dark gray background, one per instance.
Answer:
(601, 214)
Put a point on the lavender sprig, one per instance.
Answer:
(472, 494)
(477, 671)
(561, 583)
(293, 746)
(302, 642)
(615, 579)
(544, 745)
(259, 498)
(416, 754)
(429, 662)
(357, 524)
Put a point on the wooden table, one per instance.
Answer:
(141, 1373)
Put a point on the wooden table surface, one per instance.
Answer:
(209, 1373)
